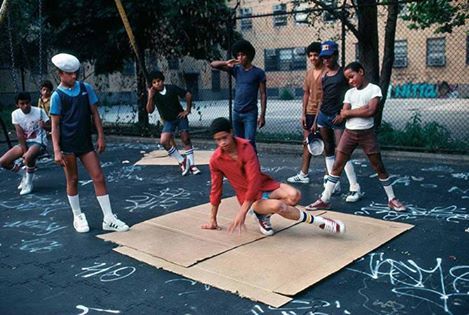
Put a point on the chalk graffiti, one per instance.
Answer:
(464, 176)
(85, 310)
(463, 192)
(38, 245)
(450, 213)
(439, 168)
(313, 307)
(34, 202)
(43, 227)
(107, 273)
(125, 172)
(414, 90)
(433, 285)
(276, 169)
(165, 199)
(206, 287)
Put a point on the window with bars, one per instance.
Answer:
(246, 23)
(436, 52)
(400, 54)
(285, 59)
(328, 17)
(281, 19)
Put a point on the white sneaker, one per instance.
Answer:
(114, 224)
(27, 185)
(354, 196)
(80, 223)
(23, 180)
(298, 179)
(333, 226)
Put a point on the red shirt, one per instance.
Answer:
(244, 174)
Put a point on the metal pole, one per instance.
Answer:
(343, 16)
(228, 56)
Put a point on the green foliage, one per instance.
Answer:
(431, 136)
(443, 13)
(286, 95)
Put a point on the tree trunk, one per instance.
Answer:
(368, 48)
(142, 95)
(388, 57)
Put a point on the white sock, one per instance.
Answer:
(351, 176)
(330, 163)
(303, 174)
(388, 188)
(190, 156)
(327, 193)
(318, 220)
(74, 202)
(105, 205)
(173, 152)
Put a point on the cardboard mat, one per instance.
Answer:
(266, 269)
(160, 157)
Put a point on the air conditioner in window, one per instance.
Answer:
(436, 61)
(400, 63)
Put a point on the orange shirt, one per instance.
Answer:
(244, 174)
(313, 84)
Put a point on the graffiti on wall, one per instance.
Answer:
(424, 90)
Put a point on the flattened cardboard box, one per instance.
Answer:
(160, 157)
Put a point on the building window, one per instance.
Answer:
(467, 50)
(436, 52)
(357, 52)
(281, 19)
(301, 18)
(285, 59)
(173, 63)
(246, 22)
(400, 54)
(332, 4)
(215, 80)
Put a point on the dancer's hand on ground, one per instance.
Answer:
(183, 114)
(100, 145)
(212, 225)
(238, 223)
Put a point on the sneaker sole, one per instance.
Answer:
(359, 198)
(105, 228)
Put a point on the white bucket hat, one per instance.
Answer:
(66, 62)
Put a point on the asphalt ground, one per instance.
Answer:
(48, 268)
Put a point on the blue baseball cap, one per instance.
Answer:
(328, 48)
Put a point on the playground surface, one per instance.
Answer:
(48, 268)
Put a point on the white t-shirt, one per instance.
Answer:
(359, 98)
(30, 124)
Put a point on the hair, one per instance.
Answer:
(220, 124)
(313, 47)
(243, 46)
(23, 96)
(47, 84)
(355, 66)
(157, 75)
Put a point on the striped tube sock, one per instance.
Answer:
(173, 152)
(330, 184)
(306, 217)
(190, 156)
(387, 188)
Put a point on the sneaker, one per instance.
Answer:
(185, 167)
(27, 185)
(80, 223)
(194, 170)
(114, 224)
(298, 179)
(23, 181)
(396, 205)
(318, 204)
(354, 196)
(264, 223)
(333, 226)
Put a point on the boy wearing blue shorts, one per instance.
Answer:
(166, 98)
(73, 107)
(30, 123)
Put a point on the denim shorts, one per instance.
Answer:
(171, 125)
(325, 121)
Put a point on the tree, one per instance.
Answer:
(421, 14)
(94, 31)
